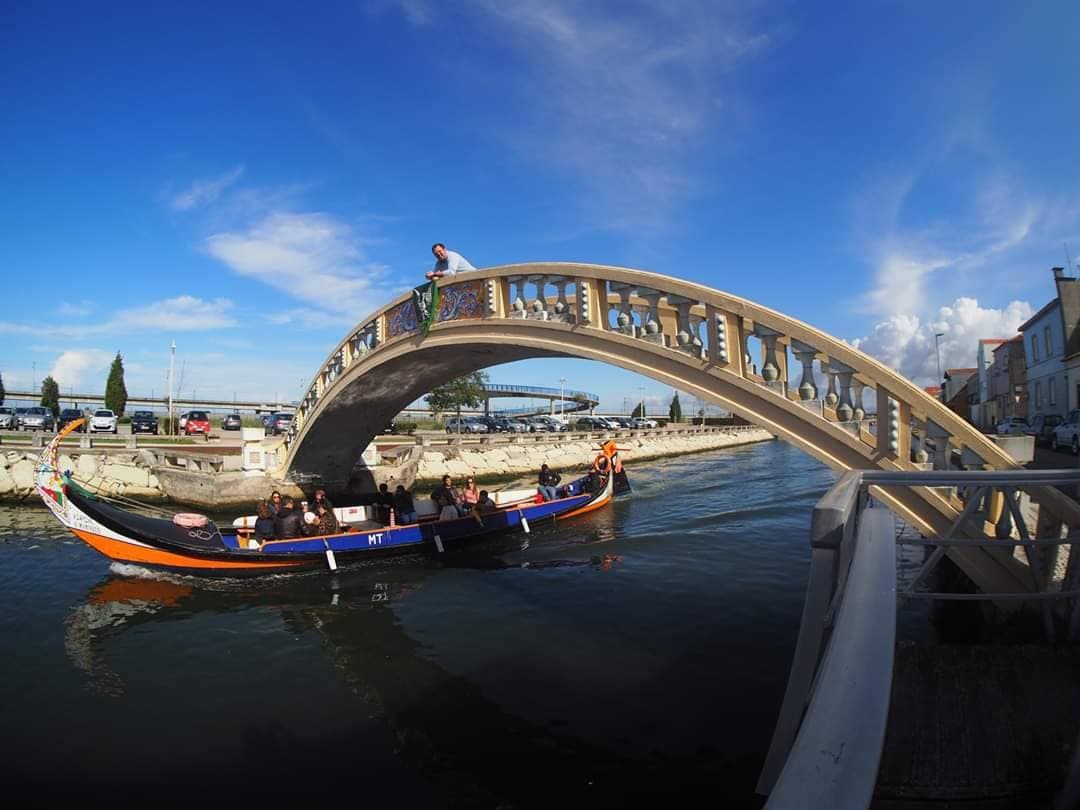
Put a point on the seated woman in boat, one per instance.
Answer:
(384, 502)
(275, 503)
(320, 497)
(470, 495)
(264, 523)
(325, 519)
(403, 504)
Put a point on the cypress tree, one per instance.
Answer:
(50, 395)
(675, 411)
(115, 391)
(639, 411)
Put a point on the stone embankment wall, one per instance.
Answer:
(523, 455)
(111, 473)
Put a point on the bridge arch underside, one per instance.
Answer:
(373, 391)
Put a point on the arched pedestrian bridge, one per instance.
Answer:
(803, 385)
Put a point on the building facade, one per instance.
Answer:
(987, 414)
(1008, 381)
(1050, 336)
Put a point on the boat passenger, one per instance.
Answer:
(485, 505)
(327, 522)
(264, 522)
(275, 503)
(446, 497)
(320, 497)
(287, 522)
(549, 480)
(310, 525)
(384, 502)
(403, 503)
(470, 495)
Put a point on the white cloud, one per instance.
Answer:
(82, 369)
(310, 257)
(74, 310)
(184, 313)
(311, 318)
(904, 343)
(623, 105)
(203, 192)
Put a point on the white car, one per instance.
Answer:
(103, 421)
(1012, 426)
(645, 423)
(1067, 434)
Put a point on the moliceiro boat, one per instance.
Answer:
(192, 544)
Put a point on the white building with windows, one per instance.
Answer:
(1050, 336)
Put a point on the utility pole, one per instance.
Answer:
(172, 362)
(937, 352)
(562, 396)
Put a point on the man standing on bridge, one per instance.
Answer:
(447, 262)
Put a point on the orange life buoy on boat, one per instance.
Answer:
(190, 520)
(600, 463)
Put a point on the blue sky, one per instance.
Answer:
(253, 179)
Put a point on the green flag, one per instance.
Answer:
(426, 304)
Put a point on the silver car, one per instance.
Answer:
(37, 418)
(1067, 434)
(7, 418)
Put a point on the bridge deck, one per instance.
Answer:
(979, 725)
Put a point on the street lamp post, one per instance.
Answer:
(937, 353)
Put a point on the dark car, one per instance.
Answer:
(144, 422)
(69, 415)
(231, 421)
(277, 424)
(1042, 427)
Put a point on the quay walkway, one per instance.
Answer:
(867, 722)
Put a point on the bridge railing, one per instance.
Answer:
(829, 733)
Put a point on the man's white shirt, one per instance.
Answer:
(453, 263)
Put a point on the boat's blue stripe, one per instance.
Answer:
(411, 535)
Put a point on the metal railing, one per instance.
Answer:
(828, 738)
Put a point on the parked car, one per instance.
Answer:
(621, 421)
(69, 415)
(591, 423)
(642, 423)
(19, 414)
(1012, 426)
(197, 422)
(37, 418)
(231, 421)
(557, 425)
(469, 424)
(277, 424)
(1042, 427)
(144, 422)
(181, 422)
(504, 425)
(103, 421)
(7, 418)
(1067, 434)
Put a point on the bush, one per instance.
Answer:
(405, 427)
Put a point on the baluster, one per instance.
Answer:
(651, 326)
(805, 355)
(561, 308)
(844, 410)
(859, 412)
(518, 295)
(770, 369)
(831, 397)
(625, 319)
(539, 303)
(697, 346)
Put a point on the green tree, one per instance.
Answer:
(1, 389)
(464, 392)
(50, 395)
(639, 411)
(115, 391)
(674, 412)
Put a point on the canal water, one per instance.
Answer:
(635, 656)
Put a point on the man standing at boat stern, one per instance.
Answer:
(447, 262)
